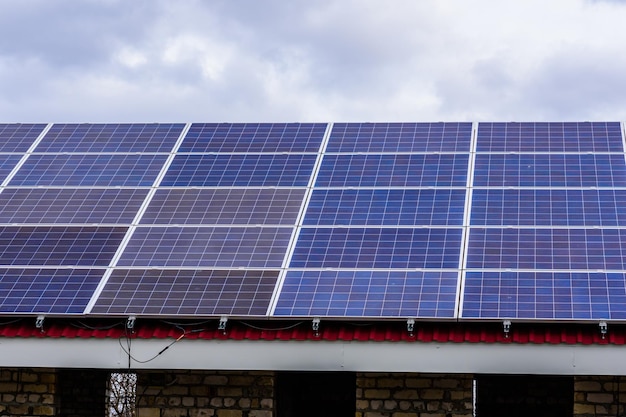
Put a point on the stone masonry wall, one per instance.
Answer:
(413, 395)
(205, 393)
(27, 392)
(596, 396)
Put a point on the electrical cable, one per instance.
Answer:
(127, 350)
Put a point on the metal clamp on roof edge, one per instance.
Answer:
(315, 325)
(222, 324)
(130, 323)
(506, 326)
(39, 322)
(604, 328)
(410, 326)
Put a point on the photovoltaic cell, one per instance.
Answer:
(442, 207)
(187, 292)
(59, 246)
(368, 294)
(254, 137)
(7, 163)
(558, 249)
(326, 247)
(545, 207)
(240, 170)
(400, 137)
(111, 138)
(253, 247)
(224, 206)
(550, 170)
(550, 137)
(18, 137)
(47, 291)
(89, 170)
(545, 295)
(40, 205)
(393, 170)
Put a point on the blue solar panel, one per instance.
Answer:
(400, 137)
(187, 292)
(377, 248)
(18, 137)
(254, 137)
(47, 291)
(553, 170)
(550, 137)
(59, 246)
(89, 170)
(240, 170)
(241, 206)
(368, 294)
(541, 207)
(37, 205)
(253, 247)
(386, 207)
(557, 249)
(545, 295)
(393, 170)
(7, 163)
(110, 138)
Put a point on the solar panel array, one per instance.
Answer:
(484, 221)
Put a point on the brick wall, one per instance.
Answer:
(596, 396)
(27, 392)
(413, 395)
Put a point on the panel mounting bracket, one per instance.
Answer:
(410, 326)
(315, 325)
(604, 328)
(222, 324)
(130, 323)
(39, 322)
(506, 326)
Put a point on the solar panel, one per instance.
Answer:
(224, 206)
(360, 293)
(252, 247)
(111, 137)
(413, 170)
(7, 163)
(70, 205)
(240, 170)
(187, 292)
(326, 247)
(59, 246)
(390, 207)
(545, 295)
(47, 291)
(400, 137)
(254, 137)
(89, 170)
(550, 137)
(18, 137)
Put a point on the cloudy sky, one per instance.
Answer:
(312, 60)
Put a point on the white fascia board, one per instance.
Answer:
(474, 358)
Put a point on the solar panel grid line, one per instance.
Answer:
(24, 158)
(18, 137)
(136, 220)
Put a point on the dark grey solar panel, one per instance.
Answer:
(275, 206)
(7, 163)
(253, 247)
(393, 170)
(19, 137)
(550, 170)
(368, 294)
(47, 291)
(550, 137)
(441, 207)
(557, 249)
(254, 137)
(240, 170)
(41, 205)
(59, 246)
(545, 207)
(111, 137)
(89, 170)
(187, 292)
(545, 295)
(326, 247)
(400, 137)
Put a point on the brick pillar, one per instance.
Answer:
(596, 396)
(413, 395)
(27, 392)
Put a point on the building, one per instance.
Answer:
(281, 269)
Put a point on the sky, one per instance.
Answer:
(121, 61)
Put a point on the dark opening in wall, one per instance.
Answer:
(314, 394)
(524, 395)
